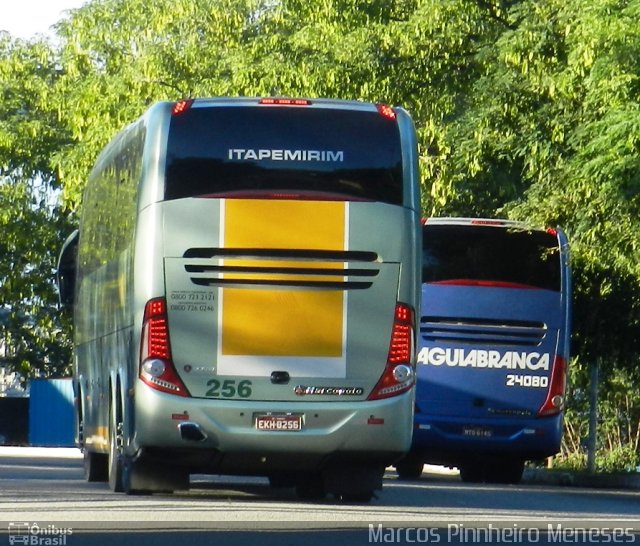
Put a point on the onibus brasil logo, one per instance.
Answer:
(33, 534)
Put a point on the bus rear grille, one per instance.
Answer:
(314, 269)
(482, 331)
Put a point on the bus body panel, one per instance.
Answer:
(485, 361)
(457, 441)
(310, 332)
(339, 428)
(470, 365)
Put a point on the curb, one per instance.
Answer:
(41, 452)
(581, 479)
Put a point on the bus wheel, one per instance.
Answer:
(354, 482)
(508, 472)
(472, 473)
(359, 498)
(281, 481)
(96, 466)
(409, 468)
(115, 457)
(310, 486)
(143, 477)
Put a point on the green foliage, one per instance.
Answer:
(32, 333)
(27, 74)
(120, 55)
(549, 133)
(618, 421)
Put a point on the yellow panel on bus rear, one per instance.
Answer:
(273, 320)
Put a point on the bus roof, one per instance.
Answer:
(490, 222)
(284, 101)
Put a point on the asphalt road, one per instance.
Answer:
(45, 501)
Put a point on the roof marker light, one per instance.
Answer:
(285, 102)
(181, 106)
(386, 111)
(487, 223)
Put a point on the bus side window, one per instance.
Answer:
(67, 267)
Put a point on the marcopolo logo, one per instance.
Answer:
(479, 358)
(264, 154)
(32, 534)
(302, 390)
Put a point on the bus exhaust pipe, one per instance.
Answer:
(191, 432)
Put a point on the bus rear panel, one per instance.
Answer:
(494, 347)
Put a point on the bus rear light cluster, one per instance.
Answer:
(554, 402)
(156, 366)
(398, 376)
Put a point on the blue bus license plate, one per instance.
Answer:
(278, 422)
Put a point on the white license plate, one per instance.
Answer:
(278, 422)
(477, 432)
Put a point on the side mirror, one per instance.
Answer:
(67, 267)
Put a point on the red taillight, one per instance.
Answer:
(181, 106)
(554, 402)
(401, 336)
(398, 375)
(155, 339)
(285, 102)
(156, 366)
(386, 111)
(552, 231)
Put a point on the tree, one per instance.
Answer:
(550, 133)
(119, 56)
(33, 333)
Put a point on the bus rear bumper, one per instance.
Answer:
(223, 436)
(451, 441)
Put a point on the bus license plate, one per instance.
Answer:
(477, 432)
(279, 422)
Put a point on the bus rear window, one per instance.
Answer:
(253, 151)
(490, 256)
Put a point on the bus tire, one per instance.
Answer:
(359, 498)
(96, 466)
(143, 477)
(310, 486)
(281, 481)
(409, 468)
(472, 473)
(354, 483)
(115, 457)
(508, 472)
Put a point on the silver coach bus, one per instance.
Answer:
(245, 282)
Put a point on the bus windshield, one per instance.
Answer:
(494, 256)
(284, 152)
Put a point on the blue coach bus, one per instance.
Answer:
(494, 348)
